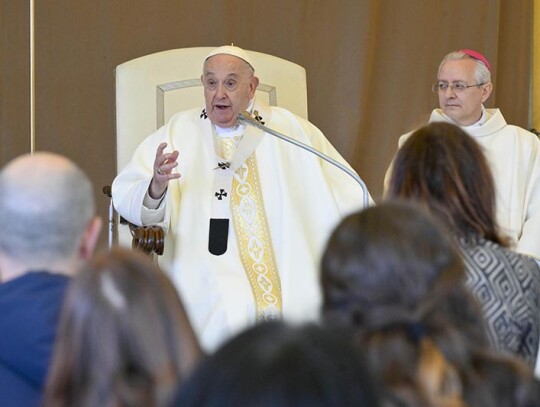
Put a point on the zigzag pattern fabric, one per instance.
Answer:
(507, 285)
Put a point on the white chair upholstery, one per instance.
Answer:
(150, 89)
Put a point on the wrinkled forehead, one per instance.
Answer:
(457, 69)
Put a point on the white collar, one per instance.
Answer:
(483, 118)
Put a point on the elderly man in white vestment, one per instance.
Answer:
(463, 85)
(250, 214)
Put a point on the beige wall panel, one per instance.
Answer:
(14, 79)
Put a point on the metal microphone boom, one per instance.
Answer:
(246, 118)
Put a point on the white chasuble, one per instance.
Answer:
(281, 204)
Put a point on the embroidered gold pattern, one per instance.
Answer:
(255, 242)
(227, 146)
(253, 234)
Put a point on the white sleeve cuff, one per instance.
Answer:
(153, 210)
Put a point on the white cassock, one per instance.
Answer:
(294, 200)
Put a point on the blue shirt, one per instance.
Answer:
(29, 312)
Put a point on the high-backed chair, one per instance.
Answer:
(150, 89)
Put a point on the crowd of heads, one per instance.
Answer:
(398, 328)
(392, 274)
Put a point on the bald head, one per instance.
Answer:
(45, 204)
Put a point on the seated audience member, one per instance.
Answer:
(390, 274)
(444, 169)
(274, 364)
(47, 228)
(124, 338)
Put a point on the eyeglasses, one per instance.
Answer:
(456, 87)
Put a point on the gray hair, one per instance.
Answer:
(482, 74)
(44, 208)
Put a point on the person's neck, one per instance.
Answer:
(11, 269)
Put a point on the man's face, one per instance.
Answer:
(229, 85)
(464, 107)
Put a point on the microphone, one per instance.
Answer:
(246, 118)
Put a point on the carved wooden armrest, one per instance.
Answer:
(150, 239)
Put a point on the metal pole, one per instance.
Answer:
(32, 82)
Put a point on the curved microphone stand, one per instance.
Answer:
(246, 118)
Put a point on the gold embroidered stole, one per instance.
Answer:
(253, 233)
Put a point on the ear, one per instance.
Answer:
(90, 238)
(253, 86)
(486, 91)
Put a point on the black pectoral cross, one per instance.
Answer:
(223, 165)
(219, 195)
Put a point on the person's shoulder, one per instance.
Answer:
(525, 134)
(516, 259)
(404, 137)
(177, 121)
(473, 245)
(434, 116)
(528, 142)
(196, 112)
(515, 267)
(38, 281)
(284, 118)
(50, 277)
(38, 277)
(518, 131)
(283, 113)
